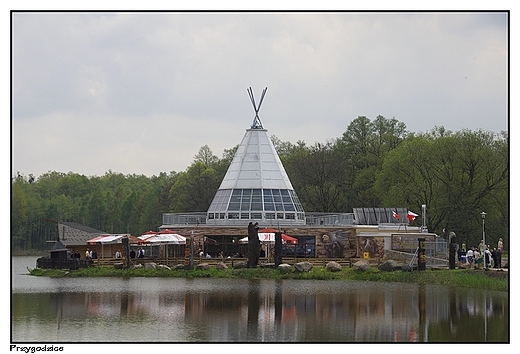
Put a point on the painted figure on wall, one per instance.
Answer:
(372, 245)
(339, 244)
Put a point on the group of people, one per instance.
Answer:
(139, 254)
(482, 255)
(90, 254)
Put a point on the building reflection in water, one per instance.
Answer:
(273, 311)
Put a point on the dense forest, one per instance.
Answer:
(375, 163)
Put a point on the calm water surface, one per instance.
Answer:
(46, 310)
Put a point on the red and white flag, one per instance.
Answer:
(395, 215)
(411, 216)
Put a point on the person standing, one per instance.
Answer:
(487, 257)
(494, 256)
(500, 249)
(469, 257)
(478, 258)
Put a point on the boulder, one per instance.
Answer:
(303, 266)
(407, 268)
(203, 266)
(221, 265)
(284, 268)
(150, 265)
(163, 266)
(136, 266)
(333, 266)
(361, 265)
(389, 266)
(267, 265)
(179, 266)
(238, 265)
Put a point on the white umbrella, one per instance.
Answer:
(164, 238)
(171, 239)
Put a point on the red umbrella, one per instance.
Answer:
(289, 239)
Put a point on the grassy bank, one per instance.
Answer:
(490, 280)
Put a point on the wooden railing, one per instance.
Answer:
(317, 262)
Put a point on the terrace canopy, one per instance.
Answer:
(112, 239)
(163, 237)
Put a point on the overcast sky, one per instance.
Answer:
(142, 92)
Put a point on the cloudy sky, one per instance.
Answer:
(142, 92)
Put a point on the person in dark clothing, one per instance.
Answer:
(495, 258)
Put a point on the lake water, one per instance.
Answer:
(178, 310)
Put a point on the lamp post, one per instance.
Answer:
(483, 214)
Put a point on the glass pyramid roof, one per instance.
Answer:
(256, 186)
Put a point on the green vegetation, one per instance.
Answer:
(490, 280)
(375, 163)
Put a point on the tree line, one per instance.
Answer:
(375, 163)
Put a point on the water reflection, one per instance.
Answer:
(225, 310)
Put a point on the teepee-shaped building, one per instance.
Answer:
(256, 187)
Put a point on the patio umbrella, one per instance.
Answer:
(171, 239)
(165, 237)
(107, 239)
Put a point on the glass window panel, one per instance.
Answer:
(269, 206)
(278, 206)
(269, 215)
(244, 216)
(245, 207)
(257, 192)
(289, 207)
(256, 215)
(284, 192)
(256, 206)
(234, 206)
(237, 192)
(289, 216)
(268, 198)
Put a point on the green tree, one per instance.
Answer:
(205, 156)
(19, 215)
(455, 175)
(365, 145)
(194, 189)
(316, 173)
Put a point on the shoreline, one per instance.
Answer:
(497, 280)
